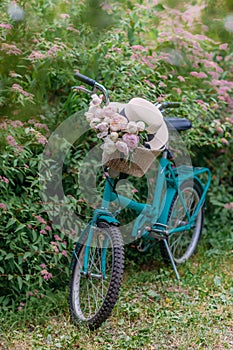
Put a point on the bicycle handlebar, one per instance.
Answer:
(164, 105)
(85, 79)
(93, 84)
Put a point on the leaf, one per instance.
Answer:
(11, 222)
(20, 227)
(9, 256)
(26, 255)
(159, 8)
(20, 282)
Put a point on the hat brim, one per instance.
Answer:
(139, 109)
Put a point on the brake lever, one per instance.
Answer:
(81, 88)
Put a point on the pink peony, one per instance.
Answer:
(118, 122)
(131, 140)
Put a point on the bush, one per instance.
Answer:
(32, 253)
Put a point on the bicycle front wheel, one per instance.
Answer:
(94, 290)
(183, 244)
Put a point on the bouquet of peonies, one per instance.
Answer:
(117, 133)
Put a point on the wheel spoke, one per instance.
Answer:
(89, 290)
(183, 243)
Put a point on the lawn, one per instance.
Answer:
(154, 311)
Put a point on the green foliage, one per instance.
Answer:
(133, 48)
(32, 253)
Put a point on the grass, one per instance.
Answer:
(154, 311)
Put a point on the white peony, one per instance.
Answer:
(132, 128)
(141, 126)
(109, 146)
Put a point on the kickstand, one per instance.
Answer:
(172, 259)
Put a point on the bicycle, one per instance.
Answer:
(175, 219)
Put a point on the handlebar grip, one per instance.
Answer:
(171, 104)
(85, 79)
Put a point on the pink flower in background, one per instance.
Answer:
(198, 75)
(36, 55)
(40, 219)
(161, 98)
(57, 238)
(55, 243)
(149, 83)
(18, 88)
(219, 129)
(42, 140)
(181, 78)
(48, 228)
(43, 266)
(219, 58)
(162, 84)
(46, 275)
(43, 232)
(64, 252)
(5, 25)
(16, 123)
(225, 142)
(10, 49)
(3, 206)
(11, 141)
(138, 48)
(203, 104)
(131, 140)
(178, 90)
(4, 179)
(229, 205)
(223, 46)
(54, 49)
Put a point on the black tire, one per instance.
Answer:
(184, 244)
(93, 296)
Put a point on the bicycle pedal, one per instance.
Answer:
(159, 232)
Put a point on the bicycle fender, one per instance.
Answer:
(109, 219)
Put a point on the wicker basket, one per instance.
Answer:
(138, 164)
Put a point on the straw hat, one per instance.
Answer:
(139, 109)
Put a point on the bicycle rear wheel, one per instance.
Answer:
(93, 293)
(184, 244)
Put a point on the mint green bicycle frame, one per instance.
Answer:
(153, 215)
